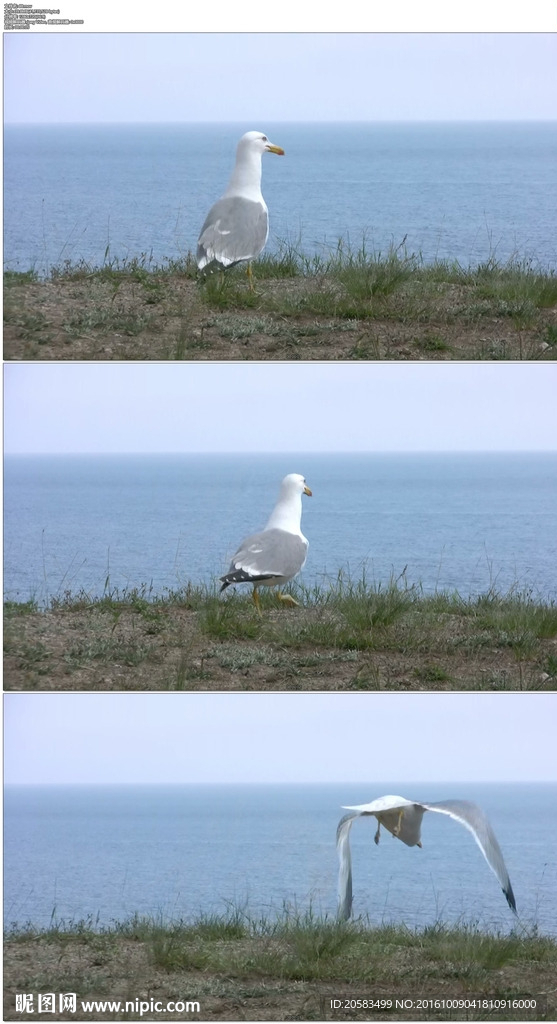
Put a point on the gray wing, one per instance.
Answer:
(474, 819)
(235, 229)
(345, 866)
(270, 555)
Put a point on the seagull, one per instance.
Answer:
(237, 226)
(403, 818)
(279, 552)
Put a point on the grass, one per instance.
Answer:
(357, 283)
(346, 634)
(285, 966)
(345, 302)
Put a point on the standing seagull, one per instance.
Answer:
(277, 554)
(237, 226)
(403, 818)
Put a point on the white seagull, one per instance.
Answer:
(279, 552)
(237, 226)
(403, 818)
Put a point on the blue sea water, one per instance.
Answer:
(107, 852)
(460, 191)
(446, 522)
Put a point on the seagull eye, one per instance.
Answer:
(264, 138)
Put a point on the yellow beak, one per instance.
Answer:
(307, 491)
(274, 149)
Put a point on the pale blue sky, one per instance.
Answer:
(279, 407)
(267, 78)
(317, 737)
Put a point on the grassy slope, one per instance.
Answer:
(240, 969)
(348, 305)
(350, 636)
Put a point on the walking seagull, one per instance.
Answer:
(237, 226)
(403, 819)
(277, 554)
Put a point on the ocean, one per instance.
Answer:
(458, 191)
(104, 853)
(463, 522)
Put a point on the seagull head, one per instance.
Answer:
(259, 143)
(295, 483)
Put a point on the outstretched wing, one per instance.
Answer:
(474, 819)
(345, 866)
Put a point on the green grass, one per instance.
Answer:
(550, 335)
(302, 945)
(344, 613)
(129, 323)
(432, 674)
(131, 651)
(432, 343)
(142, 269)
(354, 633)
(29, 607)
(392, 303)
(284, 965)
(360, 287)
(139, 599)
(341, 277)
(362, 615)
(17, 278)
(29, 325)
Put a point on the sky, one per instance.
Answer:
(265, 78)
(279, 407)
(279, 737)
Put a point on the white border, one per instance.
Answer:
(290, 16)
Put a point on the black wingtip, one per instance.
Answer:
(239, 576)
(509, 896)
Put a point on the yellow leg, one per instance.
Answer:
(288, 599)
(250, 278)
(256, 601)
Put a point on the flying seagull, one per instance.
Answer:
(237, 226)
(403, 818)
(277, 554)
